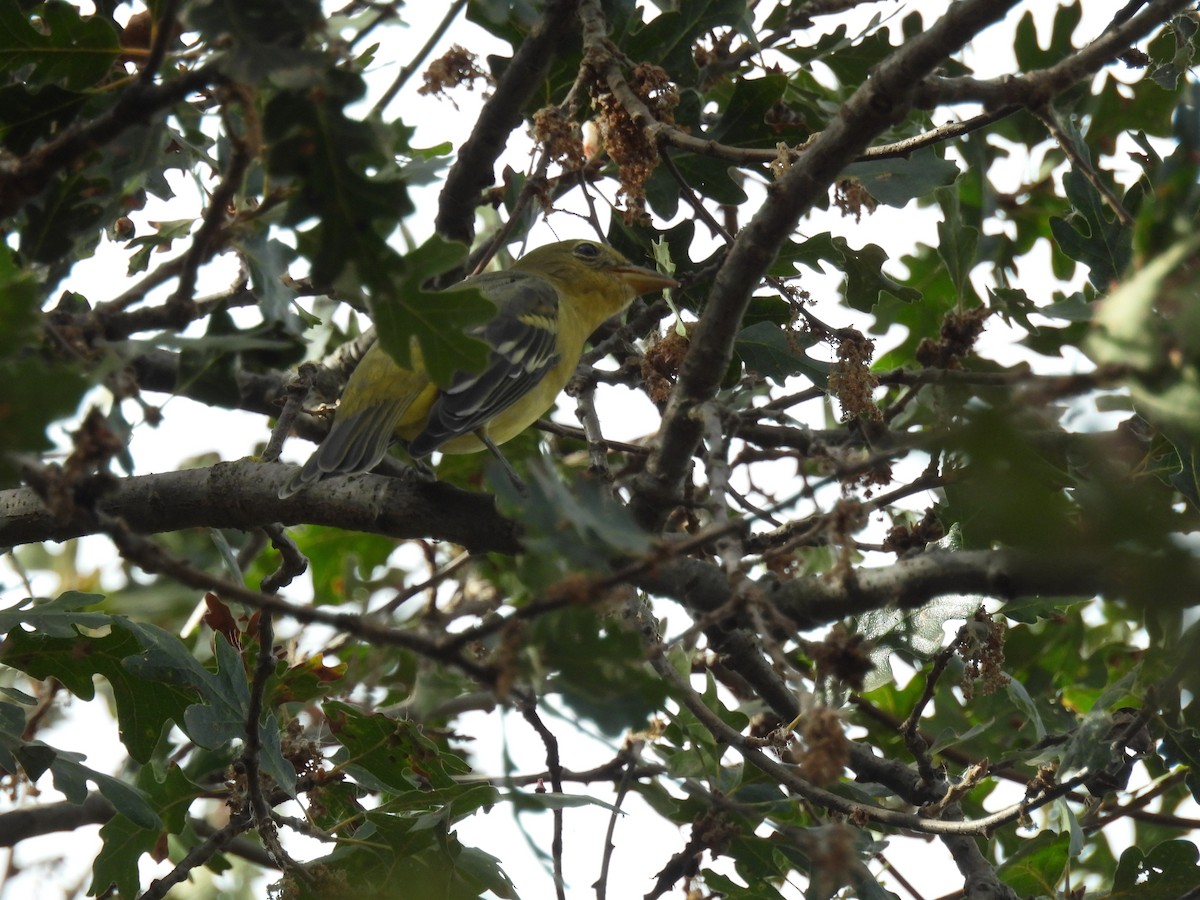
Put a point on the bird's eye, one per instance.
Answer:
(587, 251)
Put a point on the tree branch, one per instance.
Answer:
(27, 177)
(1038, 88)
(814, 601)
(48, 818)
(786, 776)
(242, 495)
(473, 170)
(878, 103)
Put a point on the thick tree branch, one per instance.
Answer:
(1036, 89)
(812, 602)
(242, 495)
(877, 104)
(749, 749)
(473, 170)
(29, 175)
(47, 818)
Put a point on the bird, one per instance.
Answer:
(548, 303)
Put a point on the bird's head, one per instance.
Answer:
(577, 262)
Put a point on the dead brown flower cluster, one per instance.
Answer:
(960, 329)
(981, 645)
(660, 365)
(457, 66)
(635, 154)
(851, 381)
(560, 138)
(826, 751)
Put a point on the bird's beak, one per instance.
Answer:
(644, 281)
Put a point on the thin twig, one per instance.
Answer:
(292, 563)
(432, 581)
(294, 394)
(165, 32)
(749, 749)
(1082, 165)
(415, 63)
(632, 753)
(198, 856)
(583, 389)
(181, 306)
(252, 752)
(528, 708)
(28, 176)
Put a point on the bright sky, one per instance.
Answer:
(644, 841)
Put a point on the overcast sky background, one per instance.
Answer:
(643, 842)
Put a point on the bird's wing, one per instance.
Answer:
(523, 336)
(378, 394)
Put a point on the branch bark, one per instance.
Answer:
(28, 176)
(242, 495)
(814, 601)
(877, 104)
(474, 169)
(1037, 88)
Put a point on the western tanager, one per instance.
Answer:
(547, 305)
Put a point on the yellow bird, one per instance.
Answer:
(547, 305)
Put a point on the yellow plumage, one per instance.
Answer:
(547, 305)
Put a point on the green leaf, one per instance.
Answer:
(1168, 870)
(1094, 237)
(123, 845)
(71, 777)
(852, 60)
(957, 242)
(12, 741)
(598, 665)
(387, 852)
(1033, 609)
(572, 521)
(65, 48)
(473, 865)
(267, 261)
(403, 309)
(260, 38)
(341, 561)
(756, 890)
(743, 121)
(865, 278)
(25, 413)
(549, 800)
(124, 842)
(668, 38)
(160, 240)
(143, 707)
(1026, 704)
(920, 632)
(809, 253)
(344, 180)
(392, 755)
(28, 113)
(1029, 52)
(1038, 866)
(1151, 324)
(770, 351)
(60, 617)
(66, 219)
(897, 182)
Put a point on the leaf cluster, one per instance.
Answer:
(906, 547)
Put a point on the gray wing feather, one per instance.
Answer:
(524, 349)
